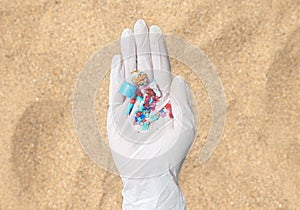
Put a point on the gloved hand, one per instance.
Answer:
(149, 162)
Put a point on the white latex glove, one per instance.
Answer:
(149, 162)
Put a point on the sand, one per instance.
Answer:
(255, 48)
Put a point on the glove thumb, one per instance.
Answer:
(180, 98)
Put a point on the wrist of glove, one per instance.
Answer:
(159, 192)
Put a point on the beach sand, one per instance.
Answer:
(255, 49)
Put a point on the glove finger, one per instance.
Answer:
(128, 50)
(160, 59)
(144, 62)
(116, 80)
(180, 98)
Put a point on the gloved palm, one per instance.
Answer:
(149, 162)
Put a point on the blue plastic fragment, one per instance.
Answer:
(127, 90)
(145, 126)
(150, 101)
(129, 108)
(141, 108)
(139, 98)
(154, 118)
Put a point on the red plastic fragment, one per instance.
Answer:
(155, 98)
(133, 100)
(150, 92)
(168, 106)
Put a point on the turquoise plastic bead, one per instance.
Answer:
(127, 90)
(145, 126)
